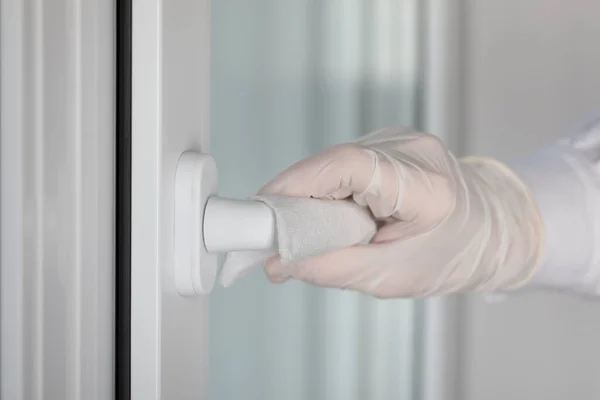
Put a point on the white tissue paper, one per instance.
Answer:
(304, 228)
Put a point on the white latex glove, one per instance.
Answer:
(447, 225)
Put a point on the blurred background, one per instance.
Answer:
(290, 78)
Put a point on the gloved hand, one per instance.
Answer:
(447, 225)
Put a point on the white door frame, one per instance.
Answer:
(170, 114)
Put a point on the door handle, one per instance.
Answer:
(206, 225)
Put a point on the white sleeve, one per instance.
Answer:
(565, 180)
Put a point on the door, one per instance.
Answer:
(170, 59)
(287, 79)
(170, 114)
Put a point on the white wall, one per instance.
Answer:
(532, 72)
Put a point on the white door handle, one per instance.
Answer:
(206, 225)
(234, 225)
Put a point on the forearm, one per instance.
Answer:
(566, 186)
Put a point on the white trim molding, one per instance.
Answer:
(57, 199)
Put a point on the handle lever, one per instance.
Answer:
(206, 225)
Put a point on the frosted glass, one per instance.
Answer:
(290, 78)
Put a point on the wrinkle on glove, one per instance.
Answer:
(305, 228)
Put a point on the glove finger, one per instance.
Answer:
(276, 272)
(385, 192)
(378, 270)
(389, 136)
(327, 270)
(394, 231)
(342, 169)
(343, 268)
(399, 175)
(340, 172)
(339, 194)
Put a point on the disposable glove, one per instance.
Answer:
(446, 225)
